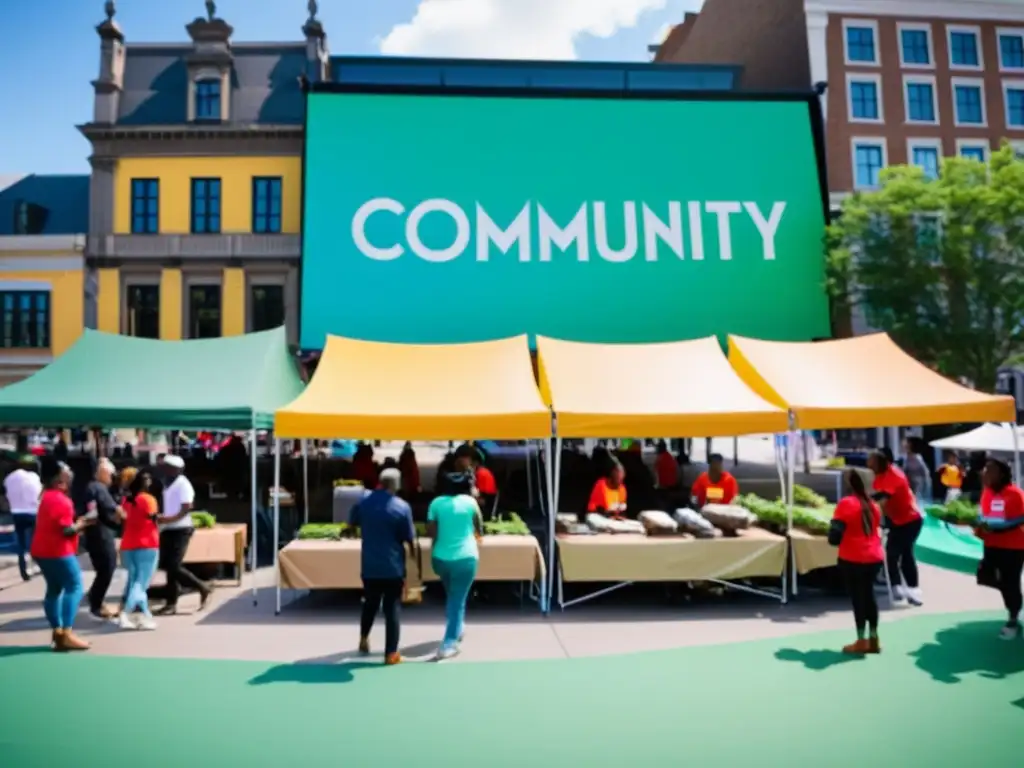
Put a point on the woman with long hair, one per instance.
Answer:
(1002, 515)
(55, 551)
(855, 530)
(899, 505)
(140, 546)
(454, 524)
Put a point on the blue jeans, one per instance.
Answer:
(141, 565)
(24, 525)
(457, 577)
(64, 590)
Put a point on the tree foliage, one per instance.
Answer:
(938, 263)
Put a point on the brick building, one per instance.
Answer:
(906, 81)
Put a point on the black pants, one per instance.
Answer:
(24, 525)
(388, 591)
(173, 545)
(860, 584)
(899, 551)
(103, 555)
(1008, 564)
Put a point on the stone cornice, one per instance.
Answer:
(94, 131)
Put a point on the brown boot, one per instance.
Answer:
(858, 648)
(56, 638)
(873, 645)
(69, 641)
(392, 659)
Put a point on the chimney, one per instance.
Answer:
(108, 86)
(210, 60)
(316, 45)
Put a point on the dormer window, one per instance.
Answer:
(29, 218)
(208, 96)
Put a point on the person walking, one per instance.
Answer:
(101, 538)
(140, 547)
(55, 551)
(23, 489)
(1000, 528)
(951, 475)
(899, 505)
(385, 523)
(175, 533)
(454, 524)
(855, 531)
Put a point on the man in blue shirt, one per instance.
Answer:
(386, 525)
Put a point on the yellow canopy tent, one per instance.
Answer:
(867, 381)
(366, 390)
(675, 389)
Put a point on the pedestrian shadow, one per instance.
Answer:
(817, 660)
(970, 648)
(23, 650)
(314, 672)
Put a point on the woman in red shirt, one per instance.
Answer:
(609, 494)
(55, 551)
(716, 486)
(1002, 515)
(855, 530)
(140, 547)
(892, 490)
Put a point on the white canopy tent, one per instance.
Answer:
(997, 438)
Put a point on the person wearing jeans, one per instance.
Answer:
(23, 489)
(1000, 528)
(140, 547)
(454, 523)
(385, 523)
(892, 491)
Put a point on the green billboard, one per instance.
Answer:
(432, 218)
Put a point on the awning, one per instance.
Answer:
(987, 437)
(366, 390)
(676, 389)
(861, 382)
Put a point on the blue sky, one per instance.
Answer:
(50, 50)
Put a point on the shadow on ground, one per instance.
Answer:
(816, 660)
(970, 648)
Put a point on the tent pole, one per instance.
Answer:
(791, 456)
(529, 476)
(305, 482)
(1016, 452)
(254, 533)
(277, 518)
(552, 566)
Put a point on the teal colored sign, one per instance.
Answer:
(438, 219)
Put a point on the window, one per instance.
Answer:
(865, 104)
(868, 162)
(925, 155)
(143, 315)
(965, 47)
(208, 99)
(26, 319)
(968, 102)
(1018, 149)
(920, 96)
(266, 205)
(204, 313)
(1013, 93)
(973, 150)
(267, 307)
(860, 42)
(1011, 49)
(915, 45)
(145, 206)
(205, 206)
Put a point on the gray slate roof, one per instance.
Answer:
(65, 198)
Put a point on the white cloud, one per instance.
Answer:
(512, 29)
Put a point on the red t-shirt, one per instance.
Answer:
(606, 498)
(707, 492)
(857, 546)
(485, 482)
(1008, 504)
(667, 470)
(56, 513)
(140, 530)
(901, 507)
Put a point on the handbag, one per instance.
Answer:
(988, 574)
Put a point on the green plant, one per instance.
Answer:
(327, 531)
(202, 519)
(959, 512)
(805, 497)
(512, 526)
(347, 483)
(774, 515)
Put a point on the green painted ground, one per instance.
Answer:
(944, 693)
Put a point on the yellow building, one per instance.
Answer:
(194, 227)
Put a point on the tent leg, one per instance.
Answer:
(277, 520)
(1016, 452)
(791, 478)
(552, 506)
(305, 482)
(254, 532)
(529, 476)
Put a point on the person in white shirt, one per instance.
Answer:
(23, 488)
(175, 533)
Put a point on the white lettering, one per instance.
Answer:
(487, 232)
(655, 229)
(723, 211)
(696, 231)
(362, 215)
(462, 233)
(563, 237)
(605, 251)
(768, 228)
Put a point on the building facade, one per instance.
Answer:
(195, 191)
(904, 81)
(43, 222)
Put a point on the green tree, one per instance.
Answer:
(938, 263)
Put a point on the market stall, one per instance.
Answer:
(222, 543)
(678, 389)
(862, 382)
(991, 438)
(378, 391)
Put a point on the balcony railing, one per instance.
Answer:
(233, 246)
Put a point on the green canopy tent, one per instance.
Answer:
(234, 383)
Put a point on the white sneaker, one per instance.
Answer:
(124, 621)
(1010, 632)
(147, 623)
(445, 653)
(914, 596)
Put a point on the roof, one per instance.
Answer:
(866, 381)
(264, 84)
(675, 389)
(366, 390)
(987, 437)
(111, 380)
(65, 198)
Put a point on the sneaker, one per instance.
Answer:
(124, 621)
(914, 596)
(147, 624)
(1010, 632)
(204, 598)
(447, 652)
(167, 610)
(392, 659)
(364, 645)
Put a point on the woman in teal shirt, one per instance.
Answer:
(454, 523)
